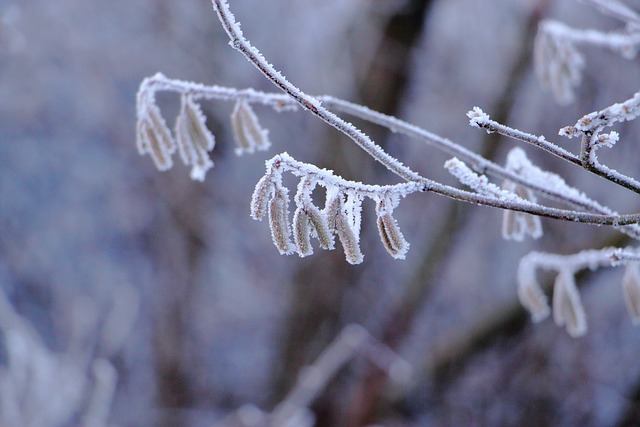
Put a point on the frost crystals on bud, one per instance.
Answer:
(567, 308)
(631, 291)
(248, 133)
(279, 221)
(261, 196)
(194, 138)
(390, 234)
(155, 138)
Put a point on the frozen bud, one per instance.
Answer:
(478, 118)
(261, 196)
(631, 291)
(348, 238)
(530, 293)
(567, 307)
(279, 222)
(194, 138)
(391, 236)
(248, 133)
(302, 232)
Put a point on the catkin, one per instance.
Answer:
(567, 307)
(157, 146)
(391, 236)
(260, 198)
(320, 226)
(348, 239)
(279, 224)
(512, 227)
(530, 293)
(248, 133)
(332, 207)
(194, 138)
(631, 291)
(302, 233)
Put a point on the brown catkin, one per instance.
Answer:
(319, 223)
(279, 223)
(302, 233)
(391, 236)
(348, 239)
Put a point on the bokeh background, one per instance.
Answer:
(117, 275)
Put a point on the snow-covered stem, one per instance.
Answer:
(590, 126)
(480, 119)
(591, 140)
(300, 169)
(618, 10)
(326, 178)
(616, 41)
(624, 255)
(591, 259)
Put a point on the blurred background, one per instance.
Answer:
(118, 280)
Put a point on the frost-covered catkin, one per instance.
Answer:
(194, 138)
(156, 138)
(261, 196)
(558, 64)
(320, 227)
(349, 239)
(631, 291)
(391, 236)
(517, 225)
(279, 222)
(332, 207)
(530, 293)
(248, 133)
(302, 233)
(567, 307)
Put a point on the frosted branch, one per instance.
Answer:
(306, 101)
(567, 308)
(559, 64)
(589, 128)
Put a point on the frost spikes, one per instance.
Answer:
(278, 222)
(567, 308)
(155, 138)
(194, 138)
(248, 133)
(631, 291)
